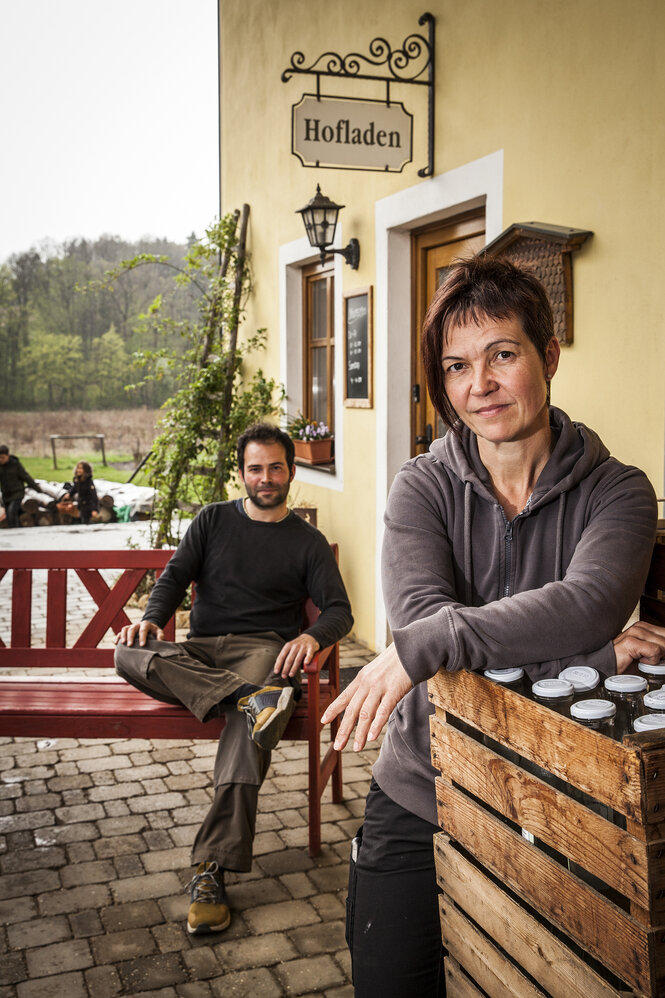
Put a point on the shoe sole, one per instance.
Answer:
(204, 928)
(271, 732)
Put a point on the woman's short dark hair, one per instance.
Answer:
(477, 289)
(265, 433)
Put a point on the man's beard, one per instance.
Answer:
(268, 500)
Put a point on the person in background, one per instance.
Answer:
(13, 480)
(516, 541)
(84, 492)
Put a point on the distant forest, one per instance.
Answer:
(62, 348)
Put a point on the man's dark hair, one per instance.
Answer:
(265, 433)
(474, 290)
(4, 449)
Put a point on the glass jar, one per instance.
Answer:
(596, 714)
(654, 674)
(554, 693)
(654, 702)
(626, 692)
(557, 694)
(511, 678)
(585, 680)
(649, 722)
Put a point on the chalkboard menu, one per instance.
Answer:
(358, 348)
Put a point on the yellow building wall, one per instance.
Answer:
(571, 91)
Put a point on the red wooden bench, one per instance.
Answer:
(105, 706)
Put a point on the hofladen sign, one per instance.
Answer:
(351, 133)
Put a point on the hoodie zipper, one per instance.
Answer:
(507, 549)
(508, 544)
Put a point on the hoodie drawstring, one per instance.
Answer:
(558, 550)
(468, 563)
(468, 560)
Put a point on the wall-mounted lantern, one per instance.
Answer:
(320, 219)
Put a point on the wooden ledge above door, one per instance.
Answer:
(547, 251)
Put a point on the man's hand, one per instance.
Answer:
(145, 629)
(370, 699)
(641, 642)
(295, 654)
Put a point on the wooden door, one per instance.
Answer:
(434, 249)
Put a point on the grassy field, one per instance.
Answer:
(128, 436)
(42, 467)
(127, 432)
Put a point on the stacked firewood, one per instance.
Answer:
(117, 501)
(47, 507)
(40, 509)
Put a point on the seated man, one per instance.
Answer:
(254, 564)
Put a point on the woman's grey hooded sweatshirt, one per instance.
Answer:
(466, 589)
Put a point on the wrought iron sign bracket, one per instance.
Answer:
(412, 64)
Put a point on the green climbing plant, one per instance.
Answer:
(193, 457)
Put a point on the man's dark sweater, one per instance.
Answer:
(252, 576)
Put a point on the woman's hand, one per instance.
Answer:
(641, 642)
(370, 699)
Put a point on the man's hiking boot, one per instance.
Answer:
(268, 712)
(209, 909)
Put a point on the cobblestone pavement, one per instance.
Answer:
(95, 838)
(94, 856)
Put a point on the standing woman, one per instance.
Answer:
(516, 541)
(85, 493)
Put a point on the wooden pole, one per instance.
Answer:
(223, 447)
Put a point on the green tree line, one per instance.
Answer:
(68, 341)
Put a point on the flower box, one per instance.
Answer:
(314, 451)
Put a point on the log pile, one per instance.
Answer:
(47, 507)
(40, 508)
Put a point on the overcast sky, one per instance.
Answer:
(108, 119)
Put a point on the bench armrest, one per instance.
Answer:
(318, 661)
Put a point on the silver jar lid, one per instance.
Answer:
(552, 689)
(655, 700)
(504, 675)
(652, 670)
(592, 710)
(649, 722)
(626, 684)
(583, 677)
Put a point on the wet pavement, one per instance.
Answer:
(94, 857)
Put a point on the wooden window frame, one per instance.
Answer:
(310, 274)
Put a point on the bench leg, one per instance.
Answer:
(314, 772)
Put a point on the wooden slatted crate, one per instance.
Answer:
(515, 919)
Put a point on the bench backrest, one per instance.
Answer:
(83, 651)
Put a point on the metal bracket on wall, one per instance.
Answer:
(405, 65)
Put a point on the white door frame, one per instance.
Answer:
(472, 185)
